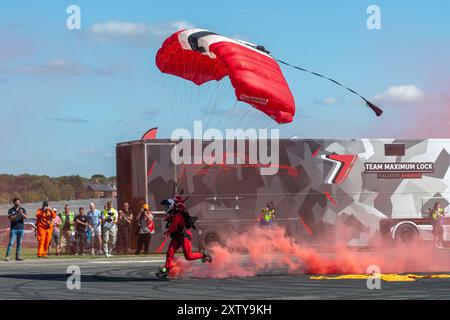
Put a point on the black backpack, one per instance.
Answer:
(189, 220)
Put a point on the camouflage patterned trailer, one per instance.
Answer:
(323, 191)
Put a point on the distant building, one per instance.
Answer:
(103, 190)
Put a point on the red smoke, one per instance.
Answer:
(270, 250)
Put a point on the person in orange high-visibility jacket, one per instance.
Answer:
(44, 226)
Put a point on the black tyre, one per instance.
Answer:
(407, 233)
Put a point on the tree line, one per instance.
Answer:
(34, 188)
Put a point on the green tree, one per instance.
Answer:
(99, 178)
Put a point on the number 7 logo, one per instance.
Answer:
(342, 164)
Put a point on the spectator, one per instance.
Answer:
(124, 229)
(81, 223)
(68, 225)
(109, 231)
(56, 234)
(267, 215)
(95, 220)
(437, 215)
(44, 218)
(146, 229)
(16, 216)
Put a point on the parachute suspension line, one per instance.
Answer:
(216, 101)
(254, 118)
(169, 99)
(230, 98)
(180, 93)
(186, 84)
(228, 95)
(200, 94)
(222, 100)
(192, 105)
(176, 94)
(371, 105)
(246, 112)
(274, 126)
(228, 115)
(208, 107)
(260, 119)
(251, 118)
(267, 123)
(196, 96)
(213, 102)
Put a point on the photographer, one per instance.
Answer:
(81, 223)
(16, 216)
(146, 229)
(110, 216)
(124, 229)
(44, 224)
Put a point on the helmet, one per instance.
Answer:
(169, 204)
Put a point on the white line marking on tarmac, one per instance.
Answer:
(125, 261)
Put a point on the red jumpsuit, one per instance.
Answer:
(179, 240)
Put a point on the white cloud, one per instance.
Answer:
(59, 67)
(134, 32)
(401, 94)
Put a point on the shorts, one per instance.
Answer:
(96, 231)
(56, 238)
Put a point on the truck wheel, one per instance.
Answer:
(407, 233)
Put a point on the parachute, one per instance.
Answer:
(200, 56)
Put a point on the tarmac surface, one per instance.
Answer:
(133, 278)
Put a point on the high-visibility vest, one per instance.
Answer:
(62, 216)
(268, 214)
(114, 212)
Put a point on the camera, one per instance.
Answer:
(110, 217)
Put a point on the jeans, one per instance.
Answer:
(143, 241)
(123, 240)
(80, 239)
(13, 235)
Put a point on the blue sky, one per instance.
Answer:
(68, 96)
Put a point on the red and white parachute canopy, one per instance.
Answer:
(200, 56)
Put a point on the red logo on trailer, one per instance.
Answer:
(342, 164)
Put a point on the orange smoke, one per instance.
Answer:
(270, 250)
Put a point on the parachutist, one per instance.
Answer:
(179, 222)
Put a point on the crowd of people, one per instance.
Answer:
(110, 231)
(100, 232)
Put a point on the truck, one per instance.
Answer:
(324, 191)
